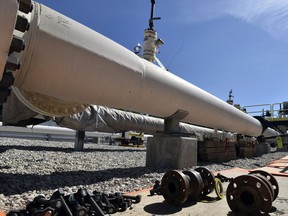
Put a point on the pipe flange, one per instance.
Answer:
(17, 44)
(271, 179)
(267, 183)
(249, 195)
(196, 183)
(208, 179)
(175, 187)
(47, 105)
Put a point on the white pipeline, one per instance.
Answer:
(105, 119)
(72, 63)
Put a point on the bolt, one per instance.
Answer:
(79, 210)
(17, 44)
(73, 110)
(25, 6)
(22, 24)
(93, 203)
(7, 79)
(60, 194)
(63, 111)
(4, 93)
(13, 63)
(156, 188)
(48, 213)
(116, 200)
(109, 207)
(136, 198)
(124, 206)
(129, 202)
(80, 108)
(40, 210)
(98, 197)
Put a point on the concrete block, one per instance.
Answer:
(96, 140)
(171, 152)
(79, 141)
(285, 144)
(262, 148)
(284, 149)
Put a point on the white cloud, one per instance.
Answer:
(269, 15)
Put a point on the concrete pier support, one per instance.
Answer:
(79, 141)
(172, 149)
(285, 144)
(262, 148)
(173, 152)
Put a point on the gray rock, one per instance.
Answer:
(33, 167)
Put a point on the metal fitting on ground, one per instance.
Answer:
(177, 186)
(252, 194)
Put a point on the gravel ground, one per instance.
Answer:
(32, 167)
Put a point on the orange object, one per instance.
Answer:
(2, 213)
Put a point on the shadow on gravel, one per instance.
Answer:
(65, 150)
(19, 183)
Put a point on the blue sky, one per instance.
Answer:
(216, 45)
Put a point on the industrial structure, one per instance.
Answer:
(53, 67)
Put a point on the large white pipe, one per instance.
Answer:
(105, 119)
(44, 129)
(70, 62)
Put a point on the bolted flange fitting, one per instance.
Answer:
(252, 194)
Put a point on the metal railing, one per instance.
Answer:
(269, 111)
(46, 132)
